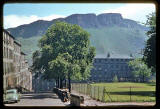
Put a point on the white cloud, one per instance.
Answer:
(16, 20)
(133, 11)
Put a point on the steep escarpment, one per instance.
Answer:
(39, 27)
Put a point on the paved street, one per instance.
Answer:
(51, 99)
(39, 99)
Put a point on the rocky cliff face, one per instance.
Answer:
(83, 20)
(109, 19)
(38, 28)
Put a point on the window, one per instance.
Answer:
(126, 67)
(99, 68)
(121, 67)
(4, 68)
(117, 66)
(4, 52)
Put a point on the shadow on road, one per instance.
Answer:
(40, 95)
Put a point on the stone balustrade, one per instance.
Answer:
(76, 100)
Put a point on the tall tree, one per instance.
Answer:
(140, 70)
(66, 53)
(108, 55)
(149, 54)
(36, 63)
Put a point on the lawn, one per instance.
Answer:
(126, 92)
(118, 92)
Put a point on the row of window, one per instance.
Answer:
(8, 67)
(111, 65)
(17, 48)
(19, 62)
(111, 60)
(7, 53)
(110, 74)
(105, 68)
(7, 39)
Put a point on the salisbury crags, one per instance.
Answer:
(38, 28)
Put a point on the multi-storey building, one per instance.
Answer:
(15, 68)
(17, 55)
(104, 69)
(26, 76)
(8, 69)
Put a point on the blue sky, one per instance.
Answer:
(18, 14)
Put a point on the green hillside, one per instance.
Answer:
(29, 45)
(116, 40)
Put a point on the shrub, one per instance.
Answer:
(152, 79)
(115, 79)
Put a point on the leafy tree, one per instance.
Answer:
(149, 54)
(115, 79)
(108, 55)
(66, 53)
(140, 70)
(36, 63)
(131, 55)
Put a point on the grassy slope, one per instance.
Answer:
(29, 45)
(117, 40)
(114, 40)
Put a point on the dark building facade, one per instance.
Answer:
(39, 84)
(104, 69)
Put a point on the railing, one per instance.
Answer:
(115, 94)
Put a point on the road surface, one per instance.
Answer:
(39, 99)
(51, 99)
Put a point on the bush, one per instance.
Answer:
(152, 79)
(115, 79)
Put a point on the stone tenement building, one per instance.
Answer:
(15, 68)
(104, 69)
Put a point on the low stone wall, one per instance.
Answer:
(63, 94)
(76, 100)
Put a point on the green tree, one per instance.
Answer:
(115, 79)
(149, 54)
(66, 53)
(140, 70)
(36, 63)
(108, 55)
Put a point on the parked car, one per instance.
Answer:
(12, 96)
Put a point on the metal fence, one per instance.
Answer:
(105, 94)
(95, 92)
